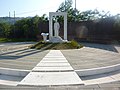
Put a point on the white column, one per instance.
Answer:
(50, 26)
(65, 27)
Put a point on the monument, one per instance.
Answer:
(54, 37)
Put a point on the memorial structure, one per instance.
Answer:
(55, 37)
(54, 27)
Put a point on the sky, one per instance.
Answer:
(26, 8)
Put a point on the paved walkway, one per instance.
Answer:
(53, 69)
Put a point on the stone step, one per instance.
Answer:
(102, 78)
(52, 69)
(10, 80)
(51, 78)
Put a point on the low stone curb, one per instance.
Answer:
(14, 72)
(100, 70)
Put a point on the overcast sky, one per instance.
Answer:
(24, 8)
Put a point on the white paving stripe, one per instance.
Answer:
(53, 64)
(53, 69)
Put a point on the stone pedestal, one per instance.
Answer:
(44, 36)
(56, 39)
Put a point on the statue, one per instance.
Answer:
(56, 28)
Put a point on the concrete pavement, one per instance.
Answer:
(91, 56)
(18, 56)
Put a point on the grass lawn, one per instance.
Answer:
(56, 46)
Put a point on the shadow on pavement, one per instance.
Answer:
(19, 55)
(13, 51)
(101, 46)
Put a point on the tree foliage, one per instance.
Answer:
(65, 6)
(24, 28)
(28, 27)
(117, 23)
(4, 29)
(76, 15)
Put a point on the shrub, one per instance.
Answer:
(74, 43)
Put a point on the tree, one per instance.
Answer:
(76, 15)
(1, 30)
(4, 29)
(28, 27)
(43, 18)
(104, 14)
(117, 22)
(88, 15)
(36, 21)
(93, 15)
(65, 6)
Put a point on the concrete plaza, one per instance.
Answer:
(92, 56)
